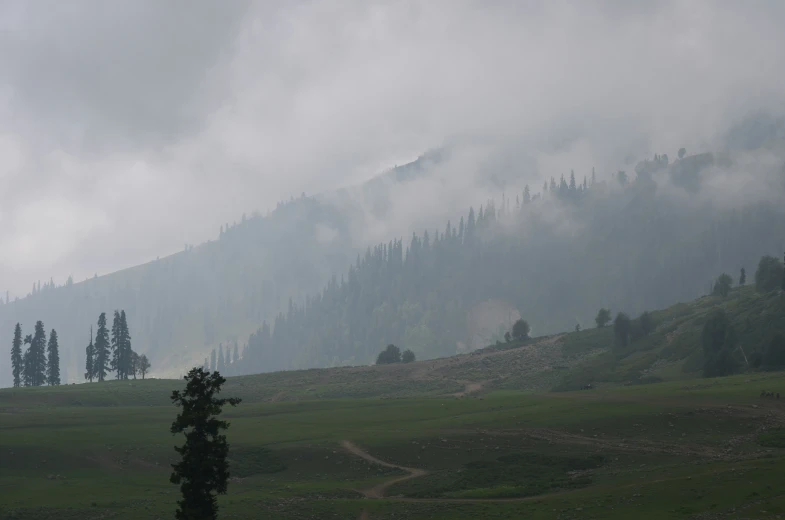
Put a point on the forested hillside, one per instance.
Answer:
(553, 254)
(555, 258)
(182, 306)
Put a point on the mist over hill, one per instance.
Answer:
(631, 243)
(308, 281)
(181, 306)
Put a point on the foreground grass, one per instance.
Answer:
(669, 450)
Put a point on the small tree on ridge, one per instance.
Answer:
(603, 318)
(520, 330)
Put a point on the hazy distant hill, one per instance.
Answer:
(628, 243)
(181, 306)
(555, 259)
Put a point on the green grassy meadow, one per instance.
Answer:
(499, 433)
(670, 450)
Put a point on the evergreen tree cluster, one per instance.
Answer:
(224, 361)
(39, 364)
(122, 354)
(103, 355)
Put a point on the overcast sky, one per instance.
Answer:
(130, 128)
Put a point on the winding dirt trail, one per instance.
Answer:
(379, 490)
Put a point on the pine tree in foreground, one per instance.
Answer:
(16, 356)
(203, 471)
(53, 360)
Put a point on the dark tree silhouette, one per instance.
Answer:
(16, 356)
(622, 327)
(203, 470)
(53, 360)
(35, 357)
(408, 356)
(682, 153)
(90, 359)
(742, 277)
(144, 365)
(768, 276)
(646, 323)
(125, 345)
(723, 285)
(520, 330)
(389, 355)
(603, 318)
(101, 361)
(134, 369)
(117, 350)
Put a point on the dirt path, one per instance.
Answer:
(379, 491)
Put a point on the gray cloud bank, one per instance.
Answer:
(130, 128)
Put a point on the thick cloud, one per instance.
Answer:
(130, 128)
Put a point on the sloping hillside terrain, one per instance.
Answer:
(552, 256)
(478, 435)
(569, 361)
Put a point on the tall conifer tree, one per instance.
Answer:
(53, 360)
(16, 356)
(35, 362)
(27, 365)
(116, 346)
(101, 363)
(125, 343)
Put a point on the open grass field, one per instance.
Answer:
(502, 432)
(683, 449)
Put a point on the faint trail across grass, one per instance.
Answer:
(379, 491)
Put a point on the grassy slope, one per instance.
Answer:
(673, 350)
(563, 362)
(667, 450)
